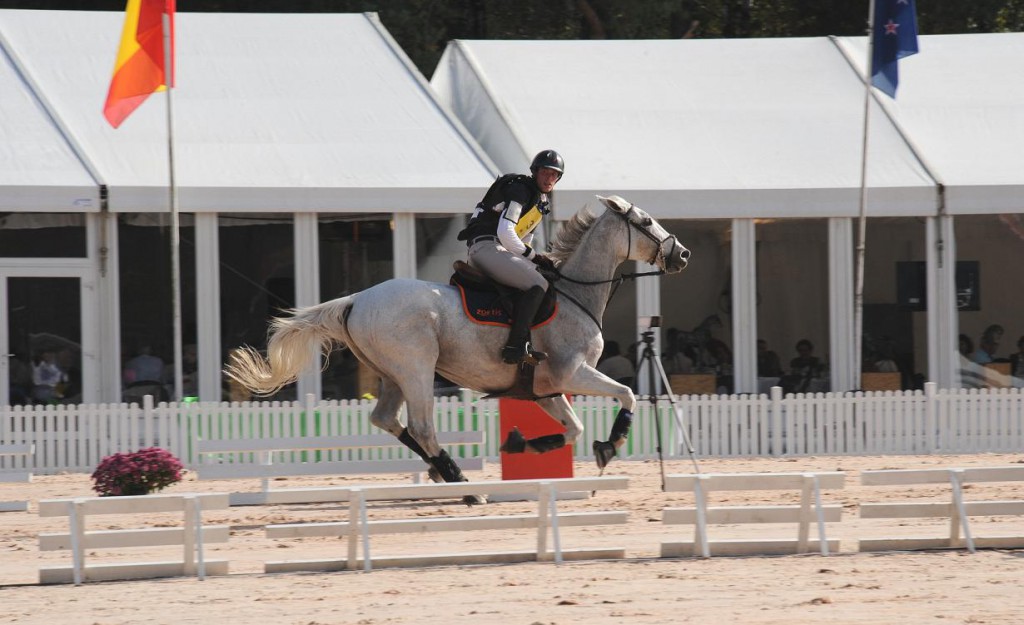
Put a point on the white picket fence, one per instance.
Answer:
(76, 437)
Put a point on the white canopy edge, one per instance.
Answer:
(273, 112)
(750, 128)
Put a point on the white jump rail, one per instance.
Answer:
(358, 528)
(701, 515)
(24, 450)
(266, 469)
(956, 510)
(192, 537)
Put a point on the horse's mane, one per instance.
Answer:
(571, 233)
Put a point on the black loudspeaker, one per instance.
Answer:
(912, 285)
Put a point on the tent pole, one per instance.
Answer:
(173, 189)
(858, 295)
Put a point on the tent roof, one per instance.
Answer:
(725, 128)
(961, 102)
(272, 112)
(39, 171)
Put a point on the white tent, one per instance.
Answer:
(275, 113)
(278, 112)
(762, 128)
(695, 128)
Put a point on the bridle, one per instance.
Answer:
(658, 259)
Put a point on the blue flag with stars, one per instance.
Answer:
(893, 36)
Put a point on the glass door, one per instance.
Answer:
(41, 354)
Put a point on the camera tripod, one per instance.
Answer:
(650, 357)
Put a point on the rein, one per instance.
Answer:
(617, 281)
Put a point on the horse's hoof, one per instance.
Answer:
(474, 500)
(603, 453)
(434, 476)
(515, 443)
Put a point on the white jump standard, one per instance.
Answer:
(192, 536)
(358, 528)
(225, 459)
(700, 516)
(957, 510)
(12, 451)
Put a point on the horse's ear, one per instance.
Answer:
(615, 203)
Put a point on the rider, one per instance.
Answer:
(499, 235)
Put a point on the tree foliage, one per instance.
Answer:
(424, 27)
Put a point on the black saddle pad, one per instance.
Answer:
(484, 303)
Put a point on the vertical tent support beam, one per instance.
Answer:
(648, 304)
(840, 304)
(404, 238)
(207, 279)
(943, 324)
(744, 306)
(307, 289)
(109, 308)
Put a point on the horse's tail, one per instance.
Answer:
(290, 344)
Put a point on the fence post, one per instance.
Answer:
(775, 432)
(544, 491)
(956, 479)
(311, 426)
(700, 495)
(182, 432)
(147, 421)
(930, 417)
(190, 535)
(76, 518)
(355, 499)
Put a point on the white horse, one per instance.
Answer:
(405, 330)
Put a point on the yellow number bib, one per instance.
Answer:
(528, 221)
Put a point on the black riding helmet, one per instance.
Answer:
(548, 159)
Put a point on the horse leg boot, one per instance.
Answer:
(406, 439)
(517, 349)
(516, 443)
(450, 472)
(605, 451)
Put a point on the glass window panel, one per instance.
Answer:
(147, 321)
(42, 235)
(45, 332)
(895, 328)
(792, 300)
(356, 252)
(988, 279)
(696, 304)
(437, 246)
(257, 282)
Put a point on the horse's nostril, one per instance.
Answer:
(685, 254)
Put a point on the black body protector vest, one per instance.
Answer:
(510, 187)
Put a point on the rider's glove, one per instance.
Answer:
(544, 262)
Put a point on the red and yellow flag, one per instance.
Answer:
(139, 70)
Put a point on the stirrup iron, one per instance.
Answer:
(522, 355)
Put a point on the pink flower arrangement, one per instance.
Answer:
(138, 473)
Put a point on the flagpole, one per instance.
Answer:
(858, 294)
(175, 242)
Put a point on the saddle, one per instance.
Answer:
(491, 303)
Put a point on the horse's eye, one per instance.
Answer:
(646, 221)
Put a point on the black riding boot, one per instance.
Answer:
(517, 349)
